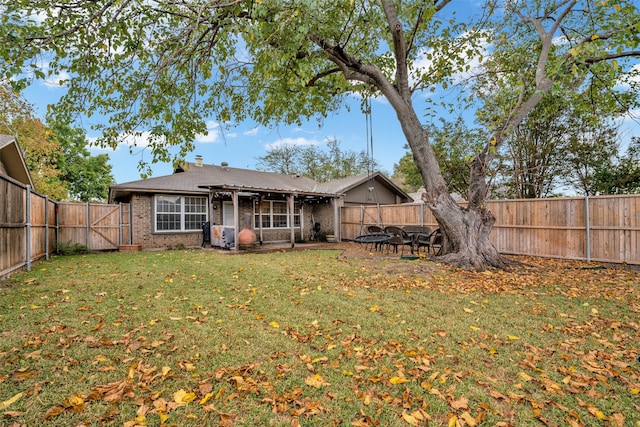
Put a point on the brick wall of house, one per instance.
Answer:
(143, 235)
(324, 214)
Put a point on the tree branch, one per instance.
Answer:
(400, 50)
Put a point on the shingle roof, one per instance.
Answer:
(198, 179)
(12, 158)
(343, 185)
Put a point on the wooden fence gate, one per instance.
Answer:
(97, 226)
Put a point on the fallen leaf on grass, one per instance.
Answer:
(75, 403)
(54, 411)
(11, 401)
(182, 397)
(398, 380)
(415, 417)
(460, 404)
(316, 380)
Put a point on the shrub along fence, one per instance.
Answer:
(596, 228)
(32, 226)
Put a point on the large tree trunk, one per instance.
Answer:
(465, 230)
(466, 235)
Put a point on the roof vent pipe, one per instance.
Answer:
(198, 160)
(224, 165)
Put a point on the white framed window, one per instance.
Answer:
(179, 213)
(275, 214)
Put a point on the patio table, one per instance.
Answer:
(376, 238)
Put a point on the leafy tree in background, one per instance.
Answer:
(621, 176)
(455, 145)
(42, 152)
(406, 174)
(40, 148)
(59, 163)
(317, 162)
(556, 148)
(589, 147)
(166, 67)
(88, 177)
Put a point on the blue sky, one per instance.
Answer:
(243, 144)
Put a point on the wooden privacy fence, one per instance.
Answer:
(32, 226)
(597, 228)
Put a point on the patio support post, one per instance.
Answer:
(337, 229)
(236, 220)
(120, 224)
(290, 199)
(130, 224)
(260, 200)
(302, 221)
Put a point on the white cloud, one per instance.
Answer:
(424, 64)
(140, 141)
(630, 79)
(290, 142)
(212, 135)
(56, 80)
(252, 132)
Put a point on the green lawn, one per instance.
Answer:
(196, 338)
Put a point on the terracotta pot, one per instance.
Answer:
(246, 238)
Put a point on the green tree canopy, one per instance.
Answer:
(87, 177)
(56, 155)
(455, 145)
(620, 176)
(317, 162)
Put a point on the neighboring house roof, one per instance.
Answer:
(12, 162)
(417, 196)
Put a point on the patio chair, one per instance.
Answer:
(206, 233)
(432, 241)
(374, 229)
(315, 232)
(400, 238)
(419, 234)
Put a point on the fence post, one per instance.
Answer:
(46, 227)
(28, 228)
(88, 226)
(120, 223)
(588, 228)
(57, 219)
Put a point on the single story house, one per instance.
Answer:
(171, 210)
